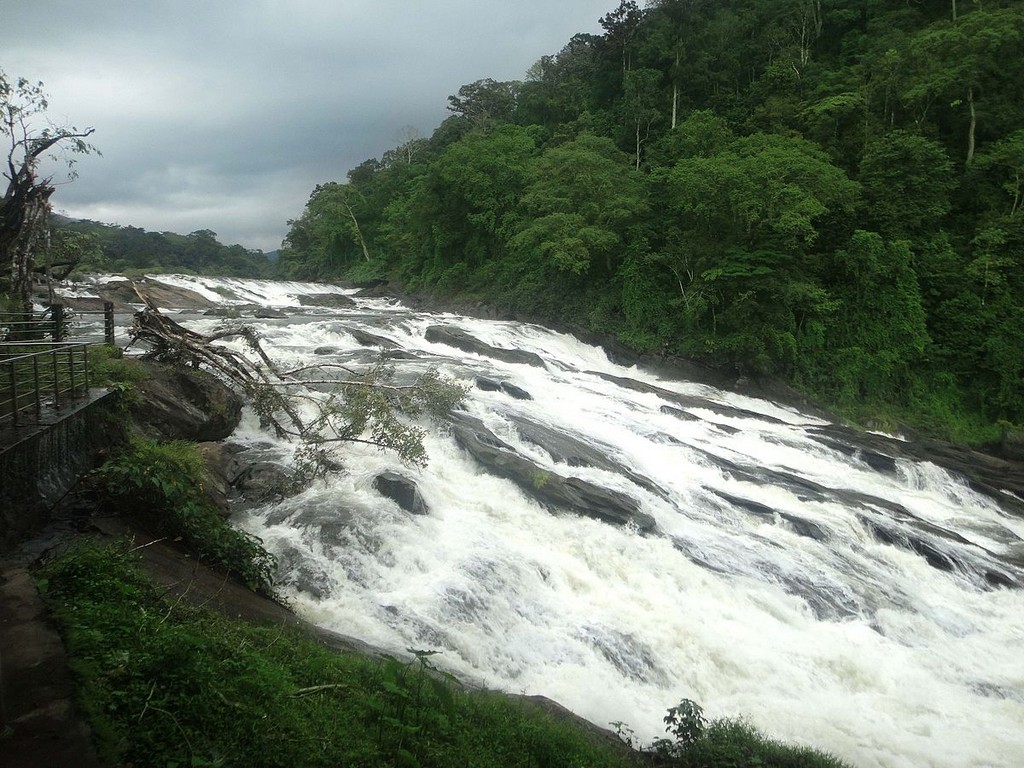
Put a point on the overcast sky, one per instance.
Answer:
(224, 114)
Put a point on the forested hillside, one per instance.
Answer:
(824, 190)
(95, 247)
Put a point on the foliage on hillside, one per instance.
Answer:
(824, 190)
(130, 250)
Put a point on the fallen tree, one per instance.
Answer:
(320, 405)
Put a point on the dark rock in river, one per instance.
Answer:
(515, 392)
(487, 385)
(456, 337)
(400, 490)
(330, 300)
(367, 339)
(176, 403)
(326, 350)
(685, 401)
(269, 313)
(550, 488)
(510, 389)
(220, 470)
(264, 481)
(124, 293)
(568, 450)
(679, 413)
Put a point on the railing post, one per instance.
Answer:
(14, 395)
(108, 322)
(85, 366)
(39, 397)
(56, 379)
(57, 310)
(71, 372)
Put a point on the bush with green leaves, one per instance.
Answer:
(161, 484)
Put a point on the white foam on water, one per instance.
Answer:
(786, 608)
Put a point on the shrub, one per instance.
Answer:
(161, 484)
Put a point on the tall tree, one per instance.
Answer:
(24, 210)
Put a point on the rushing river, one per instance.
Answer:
(832, 596)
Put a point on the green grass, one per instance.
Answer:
(167, 684)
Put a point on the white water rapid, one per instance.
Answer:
(832, 596)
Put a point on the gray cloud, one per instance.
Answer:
(224, 115)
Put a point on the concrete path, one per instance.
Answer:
(40, 724)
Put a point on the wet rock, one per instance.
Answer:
(510, 389)
(177, 403)
(804, 527)
(304, 573)
(565, 449)
(516, 392)
(375, 289)
(756, 507)
(488, 385)
(263, 481)
(400, 354)
(232, 313)
(1012, 444)
(220, 470)
(685, 401)
(329, 300)
(125, 293)
(879, 462)
(367, 339)
(269, 313)
(550, 488)
(678, 413)
(326, 350)
(400, 490)
(456, 337)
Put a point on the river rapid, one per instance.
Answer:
(772, 568)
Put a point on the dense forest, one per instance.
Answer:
(829, 191)
(94, 247)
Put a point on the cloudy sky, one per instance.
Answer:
(223, 114)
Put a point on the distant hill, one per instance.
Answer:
(102, 247)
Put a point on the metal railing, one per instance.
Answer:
(56, 322)
(35, 376)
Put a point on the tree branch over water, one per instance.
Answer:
(361, 407)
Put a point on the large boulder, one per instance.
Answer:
(235, 472)
(400, 490)
(178, 403)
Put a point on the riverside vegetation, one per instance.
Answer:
(164, 682)
(826, 191)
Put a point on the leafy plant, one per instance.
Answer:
(162, 484)
(414, 704)
(686, 722)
